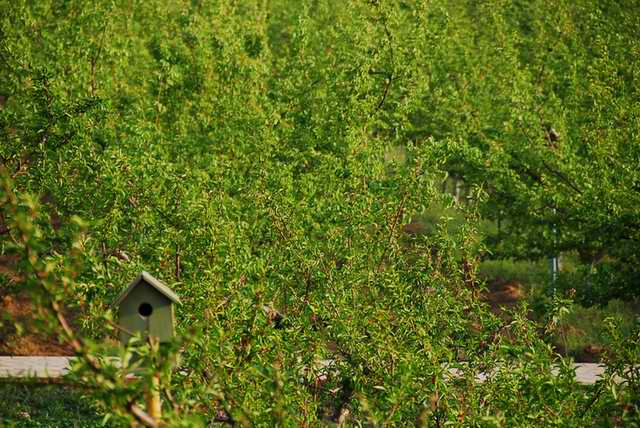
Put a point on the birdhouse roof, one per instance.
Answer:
(161, 287)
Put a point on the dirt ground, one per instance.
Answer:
(503, 295)
(18, 309)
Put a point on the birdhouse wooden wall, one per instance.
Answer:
(146, 310)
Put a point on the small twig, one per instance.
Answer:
(394, 224)
(384, 94)
(121, 328)
(169, 396)
(104, 259)
(342, 419)
(50, 115)
(94, 61)
(389, 75)
(177, 262)
(595, 398)
(142, 416)
(562, 177)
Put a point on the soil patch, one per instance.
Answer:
(503, 295)
(17, 326)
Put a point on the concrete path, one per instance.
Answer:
(55, 367)
(35, 367)
(588, 373)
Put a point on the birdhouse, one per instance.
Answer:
(146, 306)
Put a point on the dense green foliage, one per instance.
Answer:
(258, 154)
(539, 105)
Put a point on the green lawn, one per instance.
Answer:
(581, 333)
(37, 405)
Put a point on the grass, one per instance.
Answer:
(581, 333)
(532, 275)
(38, 405)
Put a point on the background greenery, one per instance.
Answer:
(274, 153)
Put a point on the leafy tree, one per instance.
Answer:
(262, 158)
(535, 102)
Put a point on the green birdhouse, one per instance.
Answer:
(146, 306)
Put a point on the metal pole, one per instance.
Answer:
(553, 261)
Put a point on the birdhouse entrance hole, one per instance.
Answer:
(145, 310)
(146, 306)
